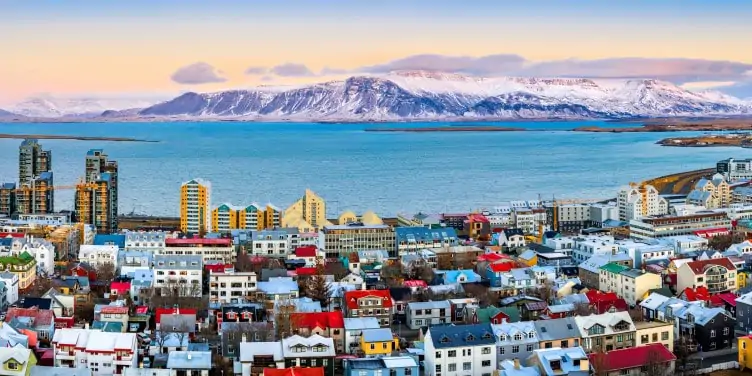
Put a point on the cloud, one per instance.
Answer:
(267, 78)
(333, 71)
(197, 73)
(486, 65)
(255, 71)
(675, 70)
(292, 70)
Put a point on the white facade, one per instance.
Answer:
(588, 246)
(574, 213)
(178, 273)
(420, 314)
(11, 286)
(232, 287)
(98, 255)
(42, 250)
(145, 241)
(635, 202)
(459, 360)
(208, 253)
(269, 244)
(103, 353)
(600, 213)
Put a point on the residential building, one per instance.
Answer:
(354, 328)
(327, 324)
(181, 275)
(606, 332)
(257, 356)
(7, 199)
(512, 238)
(420, 314)
(652, 359)
(189, 363)
(250, 217)
(24, 266)
(195, 201)
(42, 250)
(744, 313)
(717, 275)
(561, 362)
(269, 243)
(460, 350)
(711, 193)
(225, 218)
(295, 371)
(40, 321)
(211, 250)
(145, 241)
(131, 261)
(313, 351)
(515, 340)
(572, 218)
(96, 201)
(308, 214)
(101, 352)
(98, 255)
(232, 287)
(477, 226)
(628, 284)
(277, 289)
(735, 169)
(420, 238)
(241, 313)
(382, 366)
(589, 246)
(369, 303)
(374, 342)
(655, 332)
(35, 179)
(739, 195)
(17, 361)
(647, 228)
(341, 240)
(637, 201)
(590, 270)
(711, 328)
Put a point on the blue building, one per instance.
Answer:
(416, 238)
(114, 239)
(382, 366)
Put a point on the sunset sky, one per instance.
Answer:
(160, 48)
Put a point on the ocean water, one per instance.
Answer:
(352, 169)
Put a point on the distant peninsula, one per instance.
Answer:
(449, 129)
(63, 137)
(677, 125)
(729, 140)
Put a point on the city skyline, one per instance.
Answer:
(162, 49)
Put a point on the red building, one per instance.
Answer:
(326, 324)
(602, 302)
(693, 295)
(633, 361)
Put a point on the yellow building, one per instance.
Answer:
(378, 342)
(195, 199)
(529, 258)
(17, 361)
(741, 280)
(368, 218)
(272, 217)
(24, 266)
(744, 347)
(308, 213)
(224, 218)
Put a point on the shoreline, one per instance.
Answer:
(455, 128)
(77, 138)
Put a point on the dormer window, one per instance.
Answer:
(518, 337)
(532, 334)
(486, 335)
(232, 315)
(319, 348)
(470, 337)
(444, 339)
(503, 337)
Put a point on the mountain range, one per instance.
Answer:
(419, 95)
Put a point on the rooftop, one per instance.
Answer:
(189, 360)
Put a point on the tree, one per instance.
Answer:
(184, 295)
(599, 360)
(423, 295)
(84, 312)
(723, 242)
(582, 309)
(243, 262)
(654, 366)
(420, 272)
(484, 295)
(636, 314)
(337, 270)
(444, 261)
(40, 287)
(105, 275)
(174, 326)
(391, 274)
(318, 288)
(285, 319)
(221, 366)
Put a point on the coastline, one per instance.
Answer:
(77, 138)
(455, 128)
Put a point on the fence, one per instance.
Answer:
(718, 367)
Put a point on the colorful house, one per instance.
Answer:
(17, 361)
(529, 258)
(493, 315)
(744, 347)
(378, 342)
(602, 302)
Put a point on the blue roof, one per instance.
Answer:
(6, 242)
(424, 234)
(93, 152)
(118, 240)
(377, 335)
(451, 276)
(9, 185)
(108, 326)
(446, 336)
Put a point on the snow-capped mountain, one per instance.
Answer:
(431, 95)
(46, 106)
(4, 113)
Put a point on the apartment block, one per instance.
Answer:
(629, 284)
(180, 275)
(717, 275)
(219, 250)
(195, 203)
(307, 214)
(232, 287)
(637, 201)
(341, 240)
(103, 353)
(665, 226)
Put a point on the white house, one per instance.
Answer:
(354, 327)
(145, 241)
(98, 255)
(42, 250)
(11, 285)
(102, 352)
(231, 287)
(460, 350)
(269, 243)
(193, 363)
(181, 274)
(420, 314)
(512, 238)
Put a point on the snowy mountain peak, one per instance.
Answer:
(47, 106)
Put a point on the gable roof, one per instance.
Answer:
(352, 297)
(698, 267)
(294, 371)
(692, 295)
(606, 320)
(654, 301)
(41, 317)
(311, 320)
(633, 357)
(557, 329)
(723, 298)
(446, 336)
(306, 251)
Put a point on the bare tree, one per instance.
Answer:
(184, 295)
(243, 262)
(176, 327)
(420, 271)
(599, 360)
(391, 274)
(317, 288)
(285, 319)
(444, 261)
(40, 287)
(654, 366)
(546, 291)
(636, 314)
(582, 309)
(84, 312)
(105, 274)
(484, 295)
(337, 270)
(423, 295)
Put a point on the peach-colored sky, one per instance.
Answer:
(96, 50)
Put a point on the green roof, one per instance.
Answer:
(484, 314)
(614, 268)
(23, 259)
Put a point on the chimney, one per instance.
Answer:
(86, 326)
(243, 338)
(189, 355)
(363, 286)
(516, 363)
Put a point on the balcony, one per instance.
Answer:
(65, 355)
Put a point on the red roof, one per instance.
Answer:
(172, 311)
(605, 301)
(698, 267)
(324, 320)
(294, 371)
(633, 357)
(142, 310)
(722, 299)
(477, 218)
(120, 286)
(218, 268)
(501, 266)
(40, 316)
(352, 297)
(711, 232)
(198, 241)
(113, 309)
(415, 283)
(693, 295)
(491, 257)
(12, 234)
(305, 271)
(306, 251)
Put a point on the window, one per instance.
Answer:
(725, 331)
(453, 367)
(486, 350)
(529, 348)
(518, 337)
(13, 366)
(438, 354)
(485, 363)
(515, 349)
(664, 336)
(712, 334)
(452, 353)
(467, 366)
(501, 350)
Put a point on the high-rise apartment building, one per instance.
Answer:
(32, 161)
(638, 201)
(7, 199)
(308, 213)
(96, 200)
(195, 200)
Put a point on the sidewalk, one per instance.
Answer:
(713, 354)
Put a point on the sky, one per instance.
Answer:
(146, 48)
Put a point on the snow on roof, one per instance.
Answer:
(189, 360)
(103, 341)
